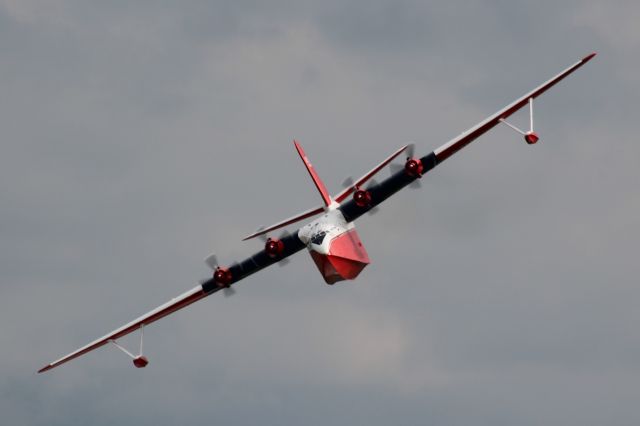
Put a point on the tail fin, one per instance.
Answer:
(326, 198)
(316, 179)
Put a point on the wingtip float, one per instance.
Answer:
(331, 239)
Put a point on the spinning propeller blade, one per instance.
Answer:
(410, 149)
(212, 261)
(263, 236)
(348, 182)
(396, 167)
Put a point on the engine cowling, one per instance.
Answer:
(222, 277)
(413, 167)
(273, 247)
(361, 197)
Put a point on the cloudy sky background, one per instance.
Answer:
(139, 137)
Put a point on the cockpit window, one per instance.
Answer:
(318, 238)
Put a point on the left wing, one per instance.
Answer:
(291, 244)
(173, 305)
(237, 271)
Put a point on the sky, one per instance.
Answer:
(138, 137)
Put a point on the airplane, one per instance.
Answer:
(331, 238)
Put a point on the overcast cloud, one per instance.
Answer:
(138, 137)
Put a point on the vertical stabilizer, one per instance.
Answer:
(316, 179)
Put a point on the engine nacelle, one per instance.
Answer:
(413, 167)
(531, 138)
(362, 197)
(222, 277)
(273, 247)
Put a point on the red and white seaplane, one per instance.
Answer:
(331, 239)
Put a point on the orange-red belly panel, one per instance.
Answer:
(346, 259)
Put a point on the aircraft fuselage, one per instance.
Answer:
(335, 247)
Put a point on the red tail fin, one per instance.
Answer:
(316, 179)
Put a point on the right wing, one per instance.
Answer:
(399, 180)
(456, 144)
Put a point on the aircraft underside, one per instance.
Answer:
(335, 247)
(346, 259)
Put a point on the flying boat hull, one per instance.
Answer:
(345, 259)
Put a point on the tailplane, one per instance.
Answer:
(326, 198)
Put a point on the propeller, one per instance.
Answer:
(212, 262)
(282, 236)
(348, 182)
(395, 167)
(230, 291)
(410, 149)
(416, 184)
(372, 183)
(262, 237)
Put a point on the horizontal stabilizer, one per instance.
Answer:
(347, 191)
(294, 219)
